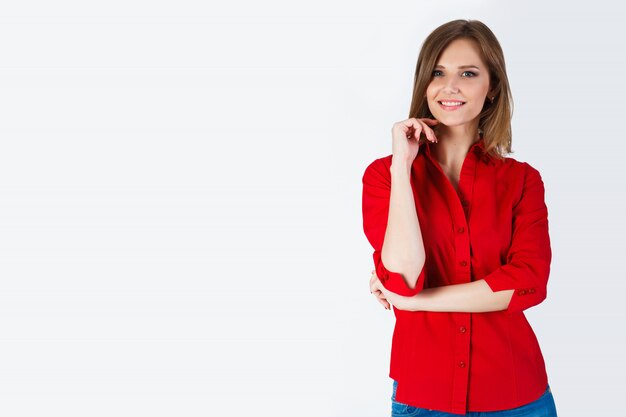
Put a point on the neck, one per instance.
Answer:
(454, 143)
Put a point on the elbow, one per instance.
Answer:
(412, 276)
(397, 282)
(412, 272)
(410, 268)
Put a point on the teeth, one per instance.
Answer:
(451, 103)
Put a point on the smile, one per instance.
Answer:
(450, 105)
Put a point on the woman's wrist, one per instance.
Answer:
(414, 303)
(407, 303)
(400, 169)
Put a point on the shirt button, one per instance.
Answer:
(462, 364)
(532, 290)
(460, 229)
(522, 292)
(463, 263)
(462, 329)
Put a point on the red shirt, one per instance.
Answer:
(494, 228)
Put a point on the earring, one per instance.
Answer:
(492, 98)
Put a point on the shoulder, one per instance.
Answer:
(378, 170)
(520, 170)
(523, 179)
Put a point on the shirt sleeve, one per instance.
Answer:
(529, 256)
(376, 194)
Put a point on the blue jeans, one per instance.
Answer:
(542, 407)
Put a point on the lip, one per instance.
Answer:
(451, 108)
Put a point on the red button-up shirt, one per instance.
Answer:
(494, 228)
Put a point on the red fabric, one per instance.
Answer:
(495, 228)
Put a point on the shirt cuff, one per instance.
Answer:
(394, 281)
(528, 291)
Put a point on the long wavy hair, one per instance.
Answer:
(495, 118)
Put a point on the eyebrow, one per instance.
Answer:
(461, 66)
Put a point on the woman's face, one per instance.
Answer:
(451, 80)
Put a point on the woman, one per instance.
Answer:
(460, 238)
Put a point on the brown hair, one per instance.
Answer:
(495, 118)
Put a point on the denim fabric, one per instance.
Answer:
(542, 407)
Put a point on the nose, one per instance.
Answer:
(451, 85)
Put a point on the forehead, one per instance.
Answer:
(461, 52)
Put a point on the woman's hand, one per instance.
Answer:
(385, 297)
(406, 137)
(375, 288)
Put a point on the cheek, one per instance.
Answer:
(481, 90)
(431, 95)
(431, 90)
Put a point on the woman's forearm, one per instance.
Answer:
(471, 297)
(403, 247)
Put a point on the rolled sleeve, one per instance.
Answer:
(376, 194)
(528, 259)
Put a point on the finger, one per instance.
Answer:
(430, 121)
(419, 128)
(384, 302)
(373, 287)
(382, 289)
(380, 298)
(413, 128)
(373, 281)
(434, 126)
(430, 133)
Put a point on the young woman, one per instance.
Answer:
(460, 238)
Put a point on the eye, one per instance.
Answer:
(473, 74)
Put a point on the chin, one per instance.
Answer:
(443, 122)
(451, 122)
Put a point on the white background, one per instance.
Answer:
(180, 200)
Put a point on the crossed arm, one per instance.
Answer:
(520, 283)
(473, 297)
